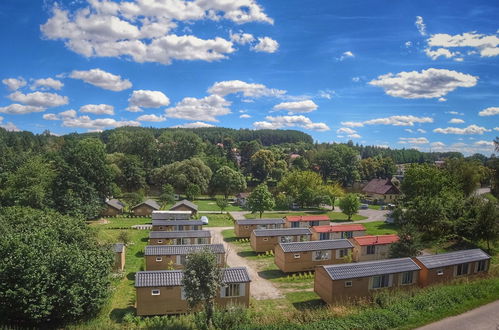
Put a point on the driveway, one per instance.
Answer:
(372, 215)
(260, 287)
(481, 318)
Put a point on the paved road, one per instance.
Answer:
(260, 287)
(372, 215)
(481, 191)
(481, 318)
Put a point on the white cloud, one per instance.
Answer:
(472, 129)
(47, 83)
(456, 121)
(206, 109)
(354, 136)
(8, 126)
(151, 118)
(392, 120)
(455, 113)
(98, 109)
(420, 25)
(442, 99)
(20, 109)
(40, 99)
(345, 55)
(430, 83)
(420, 130)
(69, 118)
(196, 124)
(408, 44)
(486, 45)
(102, 79)
(244, 116)
(345, 130)
(492, 111)
(356, 79)
(484, 143)
(14, 83)
(223, 88)
(496, 128)
(50, 116)
(266, 45)
(326, 94)
(437, 144)
(434, 54)
(242, 38)
(419, 140)
(408, 130)
(290, 121)
(146, 99)
(297, 107)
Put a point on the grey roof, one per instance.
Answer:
(186, 203)
(161, 278)
(370, 268)
(179, 234)
(169, 250)
(282, 232)
(177, 222)
(260, 221)
(171, 215)
(118, 247)
(452, 258)
(115, 203)
(316, 245)
(150, 202)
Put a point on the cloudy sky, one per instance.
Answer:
(407, 74)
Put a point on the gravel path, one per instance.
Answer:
(372, 215)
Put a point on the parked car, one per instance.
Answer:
(204, 219)
(364, 206)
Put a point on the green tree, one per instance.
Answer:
(228, 181)
(305, 187)
(260, 200)
(192, 191)
(181, 174)
(349, 205)
(124, 237)
(334, 191)
(167, 194)
(480, 221)
(201, 281)
(409, 243)
(222, 204)
(67, 277)
(339, 163)
(262, 163)
(178, 145)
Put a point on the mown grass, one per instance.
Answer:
(380, 228)
(334, 216)
(219, 220)
(490, 197)
(122, 222)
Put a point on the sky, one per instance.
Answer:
(401, 74)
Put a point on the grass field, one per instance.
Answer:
(380, 228)
(334, 216)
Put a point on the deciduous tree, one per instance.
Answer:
(260, 200)
(349, 205)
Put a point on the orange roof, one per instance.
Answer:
(307, 218)
(375, 240)
(338, 228)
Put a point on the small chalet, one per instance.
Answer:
(145, 208)
(305, 256)
(445, 267)
(173, 225)
(185, 205)
(372, 247)
(119, 257)
(243, 228)
(164, 257)
(161, 292)
(263, 240)
(242, 198)
(295, 221)
(171, 215)
(340, 283)
(381, 190)
(180, 237)
(328, 232)
(113, 208)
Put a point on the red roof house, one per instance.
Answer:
(337, 231)
(372, 247)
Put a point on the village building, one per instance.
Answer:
(145, 208)
(171, 215)
(342, 283)
(113, 208)
(381, 191)
(243, 228)
(179, 237)
(165, 257)
(328, 232)
(295, 221)
(305, 256)
(262, 240)
(242, 199)
(372, 247)
(185, 205)
(444, 267)
(119, 257)
(161, 292)
(174, 225)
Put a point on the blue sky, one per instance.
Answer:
(394, 73)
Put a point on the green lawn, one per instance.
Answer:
(374, 207)
(334, 216)
(380, 228)
(122, 222)
(219, 220)
(490, 197)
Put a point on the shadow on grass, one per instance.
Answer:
(246, 254)
(131, 276)
(341, 221)
(117, 314)
(309, 304)
(271, 274)
(144, 239)
(231, 239)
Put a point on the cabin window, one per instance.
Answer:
(295, 224)
(342, 253)
(181, 259)
(232, 290)
(314, 223)
(246, 227)
(346, 234)
(462, 269)
(440, 272)
(160, 241)
(324, 236)
(407, 277)
(481, 266)
(155, 292)
(180, 227)
(371, 249)
(321, 255)
(297, 256)
(158, 259)
(265, 239)
(348, 284)
(380, 281)
(286, 239)
(160, 228)
(304, 238)
(185, 240)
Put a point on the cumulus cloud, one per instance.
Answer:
(196, 124)
(102, 79)
(484, 143)
(223, 88)
(492, 111)
(290, 121)
(420, 25)
(392, 120)
(345, 130)
(151, 118)
(245, 116)
(69, 118)
(456, 121)
(206, 109)
(20, 109)
(146, 99)
(345, 55)
(471, 129)
(241, 38)
(434, 54)
(296, 107)
(47, 83)
(455, 113)
(98, 109)
(430, 83)
(410, 140)
(420, 130)
(325, 94)
(14, 83)
(485, 45)
(437, 144)
(266, 45)
(40, 99)
(8, 126)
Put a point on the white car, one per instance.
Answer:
(204, 219)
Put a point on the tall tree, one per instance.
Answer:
(338, 163)
(305, 187)
(350, 205)
(178, 145)
(262, 163)
(260, 200)
(181, 174)
(228, 181)
(409, 243)
(334, 191)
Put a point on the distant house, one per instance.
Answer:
(243, 228)
(113, 208)
(372, 247)
(161, 292)
(180, 237)
(171, 215)
(445, 267)
(263, 240)
(339, 283)
(145, 208)
(242, 198)
(164, 257)
(173, 225)
(119, 256)
(381, 190)
(328, 232)
(305, 256)
(185, 205)
(295, 221)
